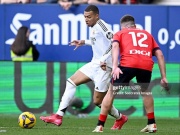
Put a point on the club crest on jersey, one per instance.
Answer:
(109, 35)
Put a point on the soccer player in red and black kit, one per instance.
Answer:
(136, 48)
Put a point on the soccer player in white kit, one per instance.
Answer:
(98, 70)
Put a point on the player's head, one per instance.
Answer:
(91, 15)
(127, 21)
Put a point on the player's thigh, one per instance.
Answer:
(143, 78)
(88, 69)
(83, 75)
(102, 80)
(79, 78)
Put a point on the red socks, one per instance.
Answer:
(102, 119)
(151, 118)
(150, 115)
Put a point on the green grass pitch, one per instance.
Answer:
(84, 126)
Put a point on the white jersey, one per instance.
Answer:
(100, 39)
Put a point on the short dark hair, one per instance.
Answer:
(127, 18)
(92, 8)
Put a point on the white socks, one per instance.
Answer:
(67, 97)
(115, 113)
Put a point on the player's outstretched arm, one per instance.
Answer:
(116, 71)
(161, 62)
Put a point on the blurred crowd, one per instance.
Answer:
(66, 4)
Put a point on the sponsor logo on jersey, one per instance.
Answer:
(140, 52)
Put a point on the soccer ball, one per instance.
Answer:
(27, 120)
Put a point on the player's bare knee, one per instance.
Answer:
(97, 102)
(70, 81)
(97, 99)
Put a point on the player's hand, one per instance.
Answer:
(77, 43)
(164, 84)
(103, 66)
(116, 72)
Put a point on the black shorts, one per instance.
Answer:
(143, 77)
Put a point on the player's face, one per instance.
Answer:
(91, 18)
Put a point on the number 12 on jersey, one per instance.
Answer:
(141, 38)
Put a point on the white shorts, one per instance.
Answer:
(100, 77)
